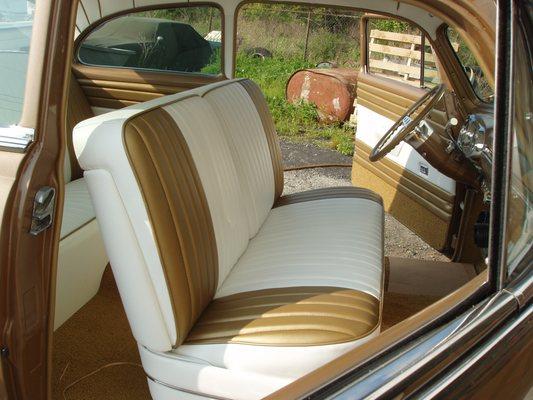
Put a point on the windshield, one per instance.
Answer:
(471, 67)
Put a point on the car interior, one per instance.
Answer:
(184, 271)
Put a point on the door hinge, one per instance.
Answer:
(43, 209)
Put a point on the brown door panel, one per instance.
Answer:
(422, 206)
(121, 87)
(392, 98)
(386, 96)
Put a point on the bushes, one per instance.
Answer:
(283, 30)
(296, 122)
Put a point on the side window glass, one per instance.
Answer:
(471, 67)
(291, 51)
(520, 197)
(395, 51)
(186, 39)
(15, 33)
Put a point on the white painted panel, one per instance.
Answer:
(81, 263)
(371, 126)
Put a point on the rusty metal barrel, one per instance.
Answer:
(332, 90)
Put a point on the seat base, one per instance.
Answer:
(158, 391)
(307, 289)
(180, 373)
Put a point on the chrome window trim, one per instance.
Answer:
(505, 334)
(502, 144)
(388, 376)
(16, 138)
(521, 287)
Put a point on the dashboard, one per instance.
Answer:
(474, 140)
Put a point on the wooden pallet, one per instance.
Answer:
(398, 56)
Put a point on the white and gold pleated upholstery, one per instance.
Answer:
(218, 173)
(289, 283)
(314, 243)
(249, 148)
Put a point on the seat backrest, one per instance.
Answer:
(78, 109)
(253, 143)
(180, 184)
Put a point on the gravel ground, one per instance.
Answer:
(399, 241)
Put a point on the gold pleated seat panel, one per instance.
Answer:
(292, 316)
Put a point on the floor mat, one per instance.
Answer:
(98, 335)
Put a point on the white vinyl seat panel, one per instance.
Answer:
(78, 207)
(295, 281)
(249, 149)
(314, 243)
(82, 257)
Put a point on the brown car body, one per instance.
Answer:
(487, 349)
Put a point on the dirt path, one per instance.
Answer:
(399, 241)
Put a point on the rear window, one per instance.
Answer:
(185, 39)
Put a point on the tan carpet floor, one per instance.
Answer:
(99, 334)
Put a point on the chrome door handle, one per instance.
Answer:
(43, 209)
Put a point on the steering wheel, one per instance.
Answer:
(407, 122)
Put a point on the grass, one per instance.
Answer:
(295, 122)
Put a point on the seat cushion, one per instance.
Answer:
(334, 240)
(78, 207)
(270, 306)
(296, 316)
(307, 289)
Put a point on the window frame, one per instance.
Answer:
(424, 39)
(458, 61)
(97, 24)
(513, 271)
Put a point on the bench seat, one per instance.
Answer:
(224, 280)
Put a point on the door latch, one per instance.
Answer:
(43, 209)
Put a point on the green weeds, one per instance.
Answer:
(295, 122)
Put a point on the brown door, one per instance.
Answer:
(112, 88)
(31, 182)
(136, 57)
(395, 76)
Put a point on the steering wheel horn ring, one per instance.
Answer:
(406, 123)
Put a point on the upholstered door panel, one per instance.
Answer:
(413, 191)
(113, 88)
